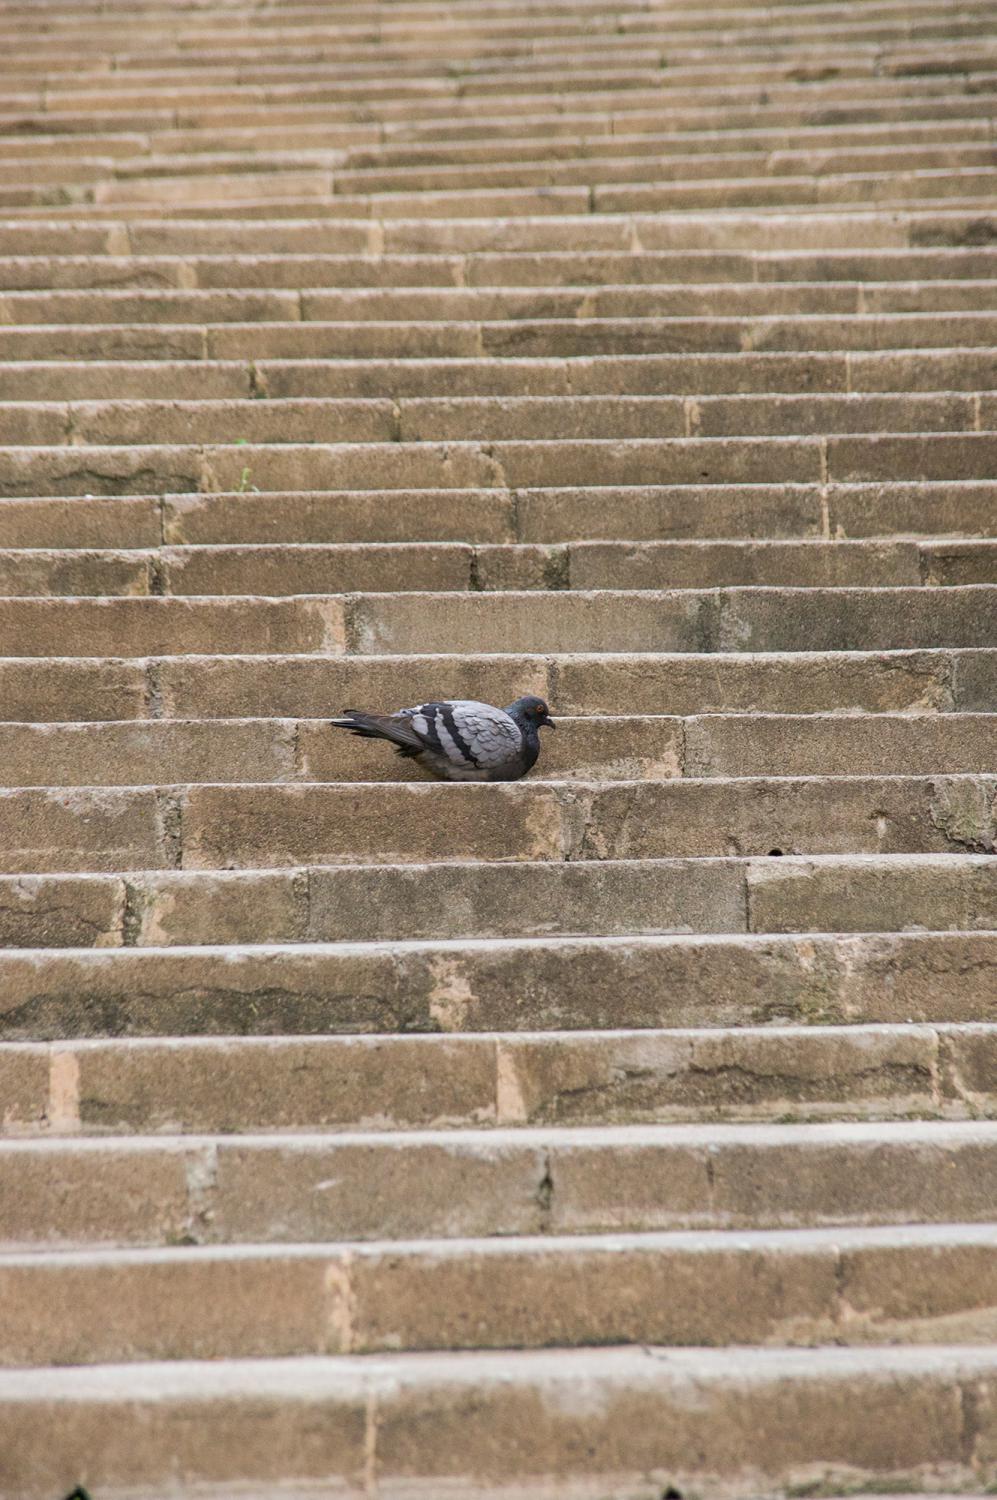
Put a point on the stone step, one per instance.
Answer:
(668, 164)
(781, 1287)
(749, 619)
(376, 903)
(853, 71)
(429, 303)
(482, 53)
(311, 195)
(111, 22)
(492, 516)
(110, 626)
(592, 140)
(759, 374)
(153, 33)
(874, 268)
(210, 827)
(355, 148)
(152, 41)
(194, 468)
(195, 686)
(514, 985)
(826, 174)
(294, 172)
(284, 569)
(289, 125)
(209, 1189)
(303, 420)
(407, 81)
(734, 619)
(543, 1419)
(430, 1082)
(568, 338)
(630, 748)
(854, 230)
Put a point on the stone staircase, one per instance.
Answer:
(623, 1132)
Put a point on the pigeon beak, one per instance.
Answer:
(548, 722)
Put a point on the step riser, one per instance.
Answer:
(539, 517)
(64, 689)
(572, 338)
(634, 983)
(626, 1078)
(219, 1191)
(282, 570)
(846, 894)
(452, 305)
(684, 375)
(644, 418)
(485, 1297)
(473, 1428)
(624, 749)
(122, 273)
(848, 459)
(211, 827)
(903, 229)
(312, 197)
(737, 620)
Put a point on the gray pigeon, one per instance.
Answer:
(462, 740)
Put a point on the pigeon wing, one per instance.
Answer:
(467, 733)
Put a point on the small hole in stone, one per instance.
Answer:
(671, 1493)
(775, 853)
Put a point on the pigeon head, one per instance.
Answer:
(530, 713)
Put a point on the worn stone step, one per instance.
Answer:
(547, 516)
(550, 1078)
(592, 142)
(892, 99)
(149, 1190)
(819, 893)
(310, 195)
(719, 981)
(289, 125)
(72, 689)
(735, 619)
(628, 748)
(306, 750)
(141, 469)
(285, 569)
(887, 372)
(116, 625)
(749, 619)
(336, 58)
(545, 338)
(509, 89)
(729, 162)
(856, 229)
(687, 1417)
(429, 303)
(781, 1287)
(208, 827)
(854, 75)
(506, 418)
(484, 269)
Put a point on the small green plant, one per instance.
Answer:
(244, 486)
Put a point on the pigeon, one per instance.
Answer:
(460, 740)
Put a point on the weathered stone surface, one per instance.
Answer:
(407, 354)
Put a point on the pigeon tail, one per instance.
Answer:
(396, 730)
